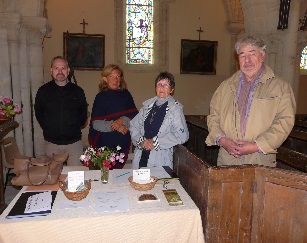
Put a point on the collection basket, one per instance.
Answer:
(75, 196)
(143, 187)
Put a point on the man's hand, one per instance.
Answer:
(230, 146)
(247, 147)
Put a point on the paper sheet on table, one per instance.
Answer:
(120, 176)
(39, 202)
(112, 201)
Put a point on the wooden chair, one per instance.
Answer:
(10, 151)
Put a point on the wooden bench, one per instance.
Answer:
(292, 158)
(291, 155)
(198, 131)
(245, 203)
(293, 152)
(300, 126)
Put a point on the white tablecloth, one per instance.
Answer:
(144, 222)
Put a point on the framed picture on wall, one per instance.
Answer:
(198, 57)
(84, 51)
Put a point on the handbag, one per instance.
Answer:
(38, 171)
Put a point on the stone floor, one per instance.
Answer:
(10, 193)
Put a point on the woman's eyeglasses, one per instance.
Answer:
(165, 85)
(115, 76)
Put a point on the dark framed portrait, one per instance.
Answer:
(198, 57)
(84, 51)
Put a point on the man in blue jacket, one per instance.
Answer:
(61, 110)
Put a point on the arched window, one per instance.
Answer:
(303, 64)
(139, 32)
(142, 34)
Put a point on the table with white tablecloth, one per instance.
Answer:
(143, 222)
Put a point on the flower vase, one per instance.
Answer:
(104, 175)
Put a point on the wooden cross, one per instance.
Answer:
(199, 32)
(84, 23)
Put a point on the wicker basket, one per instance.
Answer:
(143, 187)
(75, 196)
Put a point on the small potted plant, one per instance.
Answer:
(8, 109)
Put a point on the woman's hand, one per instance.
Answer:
(122, 129)
(117, 124)
(148, 144)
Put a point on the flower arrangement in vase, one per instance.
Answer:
(105, 158)
(8, 109)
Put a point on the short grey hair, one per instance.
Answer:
(59, 57)
(251, 40)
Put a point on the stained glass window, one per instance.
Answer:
(303, 64)
(139, 31)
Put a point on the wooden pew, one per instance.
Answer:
(198, 130)
(245, 203)
(300, 126)
(292, 159)
(291, 155)
(293, 152)
(300, 122)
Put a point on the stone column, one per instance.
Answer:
(4, 63)
(273, 53)
(25, 92)
(234, 28)
(21, 67)
(13, 39)
(37, 28)
(235, 25)
(290, 46)
(8, 24)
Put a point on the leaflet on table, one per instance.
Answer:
(141, 175)
(31, 204)
(112, 201)
(75, 179)
(173, 197)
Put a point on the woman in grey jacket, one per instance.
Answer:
(158, 127)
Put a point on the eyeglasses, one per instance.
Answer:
(165, 85)
(115, 76)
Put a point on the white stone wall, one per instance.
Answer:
(22, 29)
(283, 46)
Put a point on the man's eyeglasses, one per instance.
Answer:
(165, 85)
